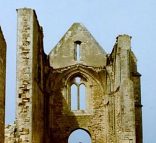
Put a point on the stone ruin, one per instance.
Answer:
(76, 68)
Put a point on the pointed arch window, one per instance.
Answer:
(78, 95)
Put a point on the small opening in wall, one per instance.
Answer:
(77, 51)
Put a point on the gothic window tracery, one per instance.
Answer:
(78, 94)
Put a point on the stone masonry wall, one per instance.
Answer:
(38, 83)
(10, 133)
(126, 90)
(62, 121)
(124, 118)
(125, 87)
(29, 91)
(24, 75)
(2, 84)
(64, 53)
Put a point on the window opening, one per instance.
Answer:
(82, 96)
(79, 136)
(78, 95)
(74, 97)
(77, 51)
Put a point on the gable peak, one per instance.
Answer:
(77, 27)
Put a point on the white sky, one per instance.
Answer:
(105, 19)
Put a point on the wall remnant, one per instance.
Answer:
(2, 84)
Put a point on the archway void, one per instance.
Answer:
(79, 136)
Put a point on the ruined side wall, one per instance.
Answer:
(135, 76)
(29, 89)
(38, 84)
(2, 85)
(123, 87)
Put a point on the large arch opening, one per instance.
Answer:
(79, 136)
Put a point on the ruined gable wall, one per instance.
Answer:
(2, 84)
(124, 119)
(65, 52)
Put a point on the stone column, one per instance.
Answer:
(24, 74)
(124, 106)
(30, 99)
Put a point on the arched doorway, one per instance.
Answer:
(79, 136)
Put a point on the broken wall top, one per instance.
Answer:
(2, 36)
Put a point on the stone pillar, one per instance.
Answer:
(29, 78)
(124, 107)
(24, 74)
(126, 90)
(124, 49)
(2, 85)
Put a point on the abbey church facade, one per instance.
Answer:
(76, 86)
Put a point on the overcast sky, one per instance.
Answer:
(105, 19)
